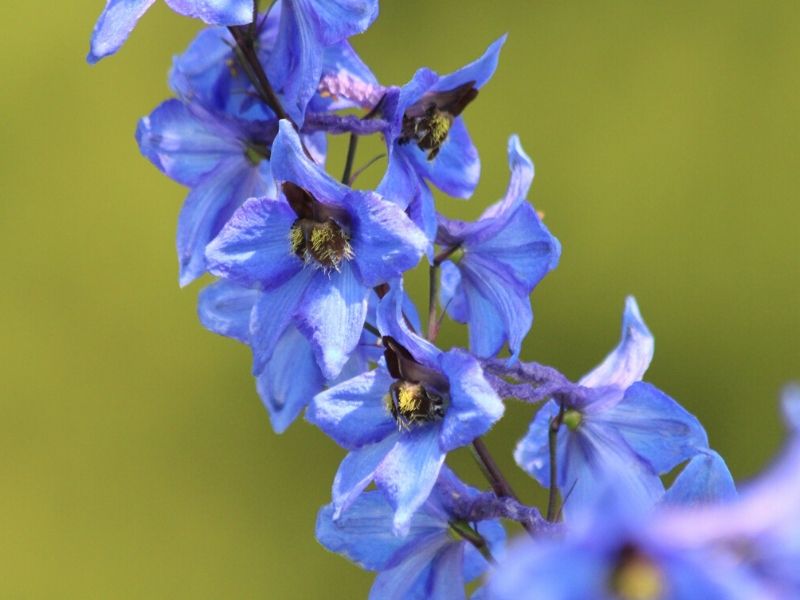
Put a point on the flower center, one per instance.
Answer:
(572, 419)
(427, 122)
(324, 244)
(636, 576)
(412, 404)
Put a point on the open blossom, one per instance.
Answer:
(119, 18)
(400, 420)
(316, 252)
(614, 425)
(434, 560)
(496, 262)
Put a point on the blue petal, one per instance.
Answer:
(655, 426)
(451, 292)
(289, 379)
(391, 321)
(357, 471)
(331, 315)
(185, 146)
(201, 73)
(271, 315)
(522, 249)
(456, 169)
(290, 163)
(475, 564)
(422, 211)
(208, 207)
(115, 24)
(215, 12)
(400, 183)
(409, 579)
(479, 71)
(225, 308)
(347, 82)
(474, 405)
(628, 362)
(354, 412)
(363, 532)
(790, 402)
(385, 242)
(499, 309)
(337, 20)
(253, 248)
(531, 453)
(704, 480)
(447, 582)
(408, 473)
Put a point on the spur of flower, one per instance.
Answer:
(316, 253)
(119, 18)
(613, 423)
(493, 264)
(441, 552)
(400, 420)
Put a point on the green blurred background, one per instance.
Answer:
(136, 458)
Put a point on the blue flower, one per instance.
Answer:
(119, 17)
(615, 553)
(432, 561)
(307, 28)
(495, 264)
(614, 425)
(316, 253)
(400, 420)
(223, 160)
(287, 379)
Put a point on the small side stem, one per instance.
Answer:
(552, 441)
(433, 290)
(493, 474)
(352, 146)
(465, 531)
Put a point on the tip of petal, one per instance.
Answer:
(790, 401)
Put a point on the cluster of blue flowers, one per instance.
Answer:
(310, 276)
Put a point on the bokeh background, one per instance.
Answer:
(136, 460)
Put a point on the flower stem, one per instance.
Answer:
(433, 290)
(493, 474)
(465, 531)
(552, 441)
(352, 146)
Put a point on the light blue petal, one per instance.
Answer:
(357, 471)
(451, 292)
(409, 579)
(331, 315)
(658, 429)
(408, 473)
(456, 169)
(184, 146)
(422, 211)
(391, 322)
(224, 308)
(253, 248)
(628, 362)
(290, 163)
(115, 24)
(790, 402)
(474, 405)
(398, 179)
(447, 582)
(363, 533)
(704, 480)
(271, 315)
(215, 12)
(499, 309)
(531, 453)
(289, 379)
(208, 207)
(354, 413)
(385, 242)
(479, 71)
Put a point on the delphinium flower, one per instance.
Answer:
(428, 140)
(400, 420)
(494, 263)
(441, 552)
(119, 18)
(613, 423)
(316, 252)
